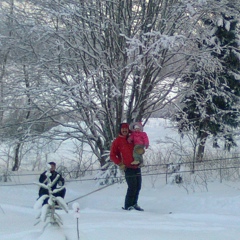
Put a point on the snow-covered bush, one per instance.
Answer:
(109, 174)
(48, 213)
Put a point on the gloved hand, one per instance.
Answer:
(121, 166)
(60, 183)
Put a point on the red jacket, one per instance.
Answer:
(122, 152)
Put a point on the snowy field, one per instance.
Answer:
(170, 213)
(204, 213)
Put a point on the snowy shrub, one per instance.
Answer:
(109, 174)
(48, 213)
(173, 170)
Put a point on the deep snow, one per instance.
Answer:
(170, 213)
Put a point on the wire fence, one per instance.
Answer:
(225, 168)
(145, 166)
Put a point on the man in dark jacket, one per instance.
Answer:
(121, 153)
(55, 179)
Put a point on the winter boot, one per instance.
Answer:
(136, 207)
(129, 208)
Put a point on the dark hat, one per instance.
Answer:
(52, 163)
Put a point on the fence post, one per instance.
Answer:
(220, 171)
(167, 172)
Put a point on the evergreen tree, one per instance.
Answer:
(47, 213)
(210, 106)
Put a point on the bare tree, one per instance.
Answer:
(109, 62)
(93, 64)
(20, 76)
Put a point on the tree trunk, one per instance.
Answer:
(16, 158)
(201, 147)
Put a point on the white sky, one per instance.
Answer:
(170, 212)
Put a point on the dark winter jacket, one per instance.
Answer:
(43, 179)
(122, 152)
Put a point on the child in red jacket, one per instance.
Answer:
(140, 141)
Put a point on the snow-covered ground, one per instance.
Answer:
(198, 211)
(170, 213)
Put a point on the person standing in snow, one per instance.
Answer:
(121, 154)
(140, 141)
(56, 180)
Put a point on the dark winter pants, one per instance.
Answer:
(134, 182)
